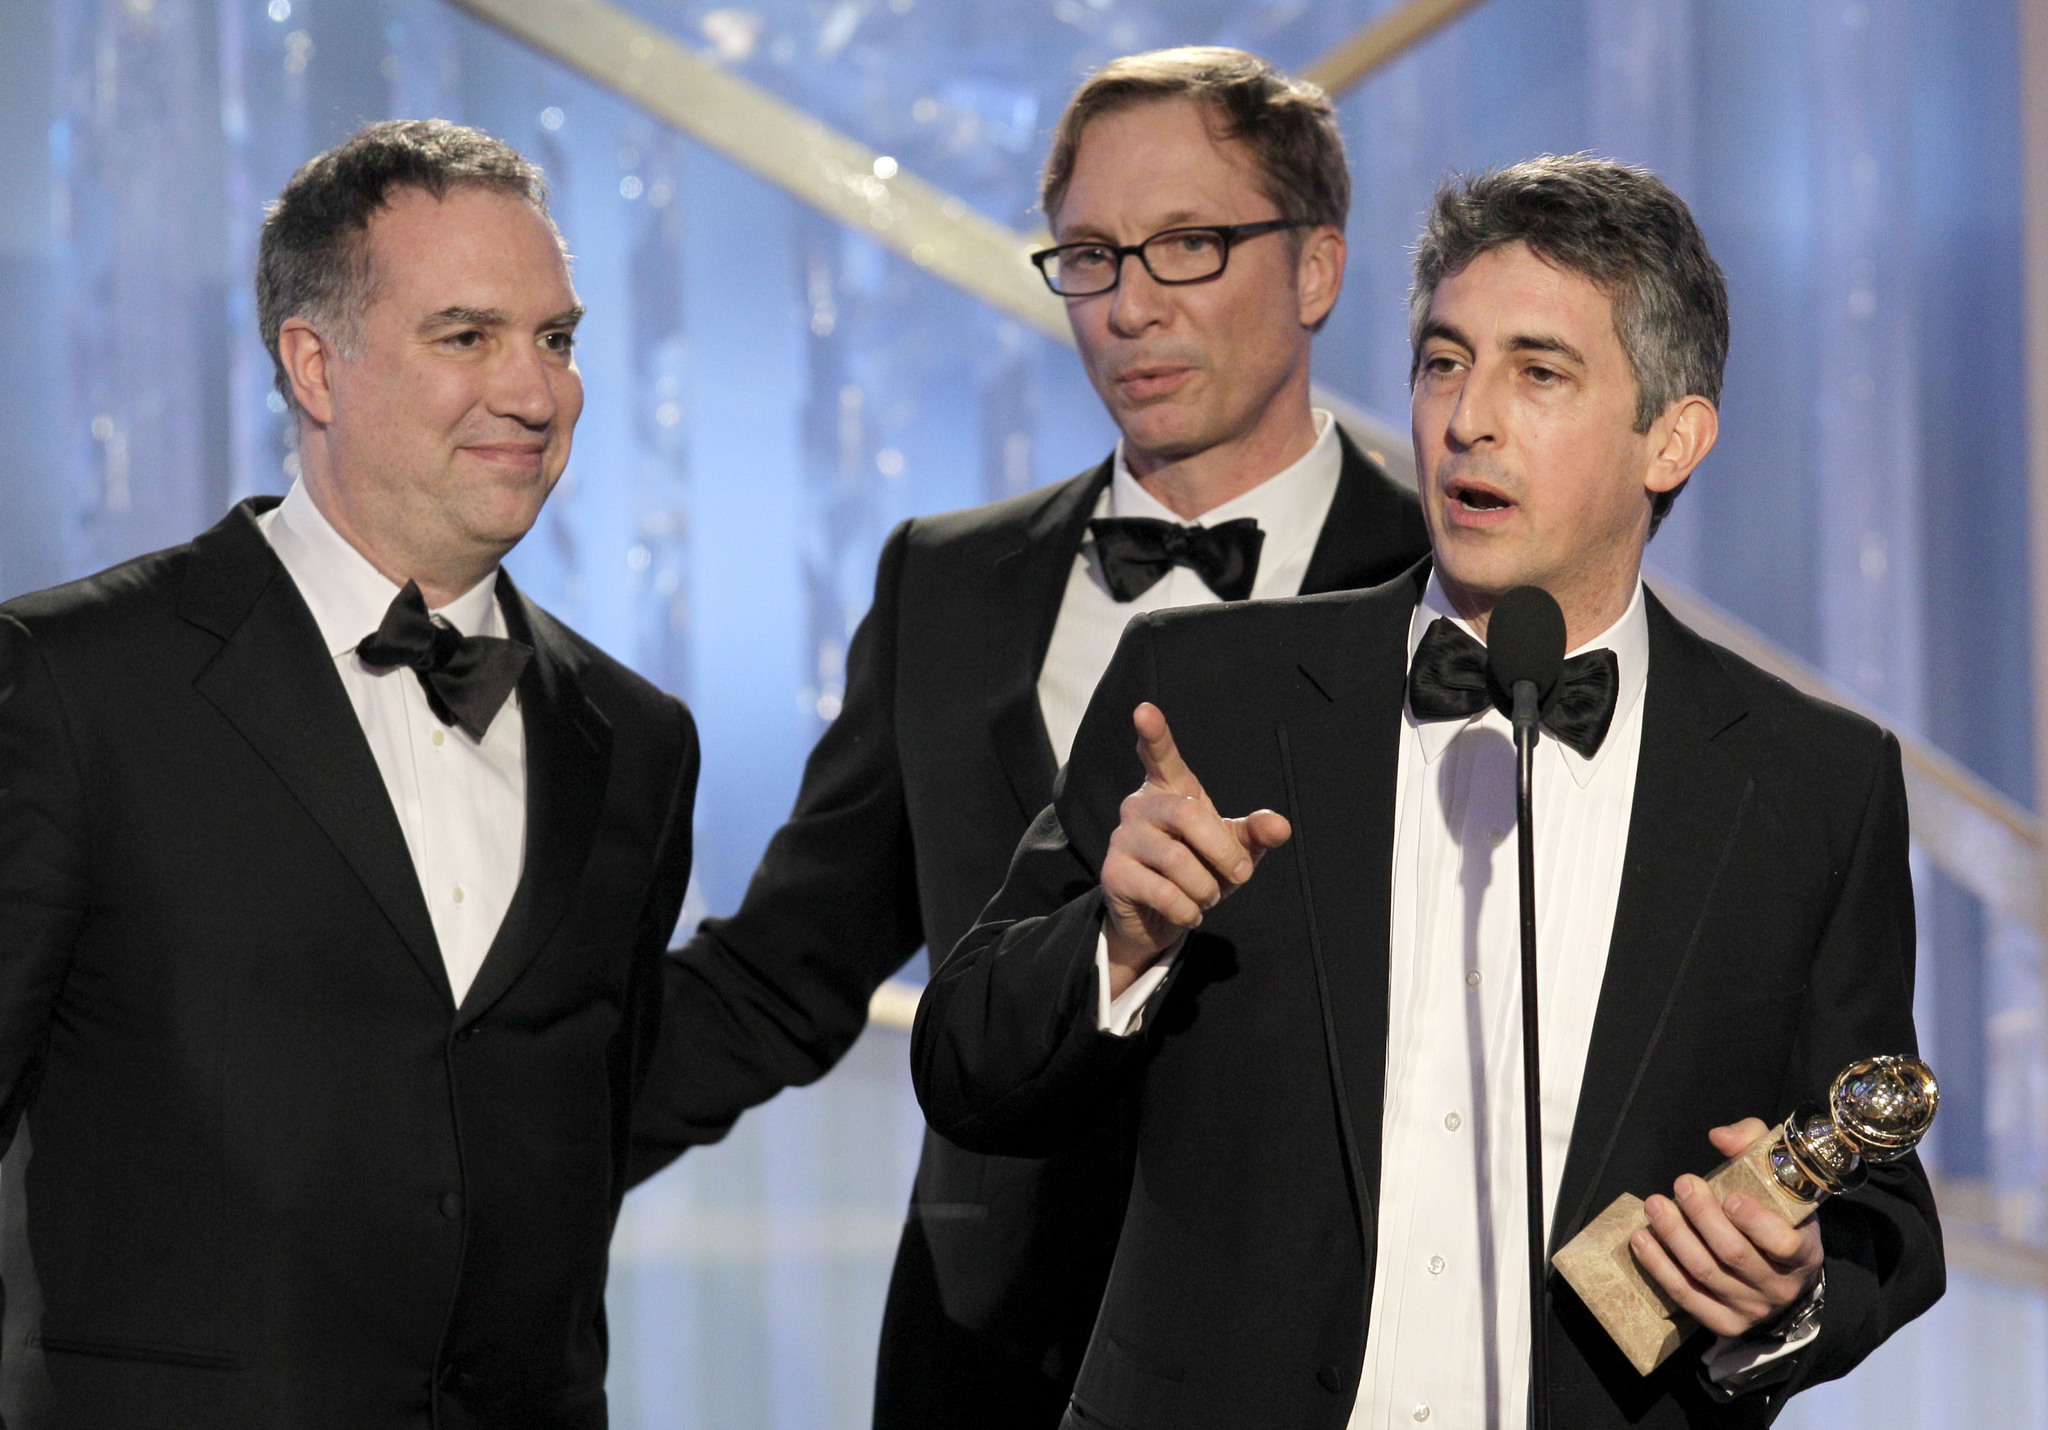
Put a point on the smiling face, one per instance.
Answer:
(441, 435)
(1188, 368)
(1530, 467)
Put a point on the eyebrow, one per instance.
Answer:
(1520, 343)
(1544, 343)
(1179, 218)
(1438, 328)
(460, 317)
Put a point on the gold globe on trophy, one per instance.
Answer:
(1877, 1111)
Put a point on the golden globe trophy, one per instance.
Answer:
(1878, 1110)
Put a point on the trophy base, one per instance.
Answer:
(1635, 1312)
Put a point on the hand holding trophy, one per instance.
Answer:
(1877, 1111)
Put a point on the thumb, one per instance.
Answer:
(1737, 1137)
(1262, 830)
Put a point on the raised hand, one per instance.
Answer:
(1729, 1264)
(1173, 857)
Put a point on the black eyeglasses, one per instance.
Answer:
(1177, 255)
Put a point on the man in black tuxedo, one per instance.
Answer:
(331, 930)
(988, 631)
(1326, 1224)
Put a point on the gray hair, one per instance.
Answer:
(1622, 229)
(313, 261)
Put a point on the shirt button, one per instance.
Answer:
(451, 1206)
(458, 893)
(1436, 1266)
(1330, 1378)
(1472, 979)
(440, 737)
(1422, 1412)
(1452, 1122)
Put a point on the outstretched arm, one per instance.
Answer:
(774, 996)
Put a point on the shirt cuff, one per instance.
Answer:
(1124, 1014)
(1736, 1364)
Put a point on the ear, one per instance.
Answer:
(1688, 429)
(1319, 274)
(307, 358)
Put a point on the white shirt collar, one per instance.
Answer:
(1628, 638)
(347, 595)
(1289, 506)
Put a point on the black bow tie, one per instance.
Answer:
(1137, 551)
(1447, 680)
(466, 677)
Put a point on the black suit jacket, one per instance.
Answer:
(267, 1173)
(910, 808)
(1763, 939)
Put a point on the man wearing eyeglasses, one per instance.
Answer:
(1198, 200)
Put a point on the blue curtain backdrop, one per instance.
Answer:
(769, 393)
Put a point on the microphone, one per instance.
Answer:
(1525, 645)
(1524, 657)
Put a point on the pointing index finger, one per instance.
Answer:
(1164, 768)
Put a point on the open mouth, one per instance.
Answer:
(1476, 505)
(1471, 496)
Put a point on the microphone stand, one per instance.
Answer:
(1524, 718)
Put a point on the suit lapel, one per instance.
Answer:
(1371, 532)
(1027, 584)
(568, 765)
(1690, 801)
(274, 681)
(1341, 765)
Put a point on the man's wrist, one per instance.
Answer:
(1799, 1319)
(1768, 1352)
(1120, 1009)
(1128, 959)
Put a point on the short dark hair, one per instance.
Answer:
(1289, 124)
(1621, 228)
(313, 262)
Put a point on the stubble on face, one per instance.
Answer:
(453, 420)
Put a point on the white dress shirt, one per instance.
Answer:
(461, 802)
(1448, 1337)
(1290, 508)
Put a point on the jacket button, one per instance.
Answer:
(451, 1206)
(1330, 1378)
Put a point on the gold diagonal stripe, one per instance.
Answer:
(1385, 40)
(789, 148)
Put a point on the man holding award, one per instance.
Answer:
(1327, 1224)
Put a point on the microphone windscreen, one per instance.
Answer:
(1525, 640)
